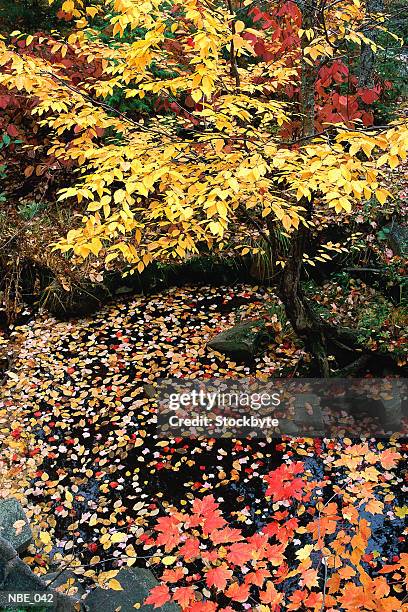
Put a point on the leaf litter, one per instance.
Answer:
(84, 455)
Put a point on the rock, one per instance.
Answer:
(397, 238)
(242, 341)
(150, 391)
(76, 302)
(65, 582)
(12, 511)
(136, 583)
(16, 578)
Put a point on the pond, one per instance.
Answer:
(101, 465)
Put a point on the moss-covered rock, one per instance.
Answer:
(242, 341)
(12, 512)
(397, 238)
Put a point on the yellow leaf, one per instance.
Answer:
(218, 145)
(95, 246)
(118, 537)
(115, 585)
(130, 562)
(93, 520)
(382, 195)
(393, 161)
(91, 11)
(68, 6)
(304, 553)
(206, 86)
(45, 537)
(196, 94)
(110, 256)
(239, 26)
(94, 206)
(286, 222)
(169, 560)
(119, 196)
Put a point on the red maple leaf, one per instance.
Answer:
(226, 535)
(202, 606)
(173, 575)
(183, 596)
(159, 595)
(257, 577)
(212, 522)
(206, 513)
(240, 553)
(282, 484)
(369, 95)
(389, 458)
(190, 549)
(210, 555)
(238, 592)
(270, 595)
(169, 535)
(218, 577)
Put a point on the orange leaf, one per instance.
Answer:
(218, 577)
(159, 595)
(270, 595)
(183, 596)
(238, 592)
(389, 458)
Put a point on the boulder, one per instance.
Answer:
(241, 342)
(65, 582)
(136, 584)
(76, 302)
(19, 537)
(16, 578)
(397, 239)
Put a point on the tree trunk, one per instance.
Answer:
(306, 324)
(367, 55)
(309, 73)
(304, 321)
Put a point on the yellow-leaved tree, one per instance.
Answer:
(215, 168)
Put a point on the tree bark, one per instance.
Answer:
(367, 55)
(307, 325)
(309, 72)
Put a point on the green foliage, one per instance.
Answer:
(392, 66)
(5, 141)
(30, 210)
(28, 15)
(383, 233)
(380, 322)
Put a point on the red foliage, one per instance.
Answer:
(282, 484)
(337, 95)
(16, 118)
